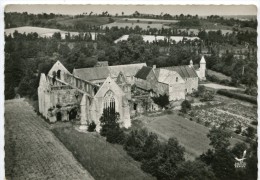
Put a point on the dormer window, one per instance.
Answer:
(176, 79)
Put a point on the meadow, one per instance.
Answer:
(102, 159)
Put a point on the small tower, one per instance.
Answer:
(202, 68)
(191, 63)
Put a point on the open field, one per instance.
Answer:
(91, 20)
(190, 134)
(102, 159)
(32, 151)
(42, 32)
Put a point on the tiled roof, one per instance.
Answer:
(94, 73)
(185, 71)
(143, 72)
(167, 76)
(99, 73)
(127, 69)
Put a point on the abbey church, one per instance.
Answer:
(85, 93)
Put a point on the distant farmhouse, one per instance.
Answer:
(128, 89)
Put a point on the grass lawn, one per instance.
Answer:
(102, 159)
(220, 76)
(191, 135)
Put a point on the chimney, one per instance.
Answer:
(154, 67)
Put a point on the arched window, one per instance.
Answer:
(176, 79)
(109, 105)
(109, 102)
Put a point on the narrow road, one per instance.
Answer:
(32, 151)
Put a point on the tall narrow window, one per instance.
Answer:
(176, 79)
(58, 74)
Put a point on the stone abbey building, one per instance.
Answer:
(85, 93)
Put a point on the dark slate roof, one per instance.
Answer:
(185, 71)
(143, 72)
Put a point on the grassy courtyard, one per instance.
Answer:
(102, 159)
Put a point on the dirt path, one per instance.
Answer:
(32, 151)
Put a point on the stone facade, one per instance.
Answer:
(65, 97)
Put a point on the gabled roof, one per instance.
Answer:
(100, 73)
(167, 76)
(185, 71)
(143, 72)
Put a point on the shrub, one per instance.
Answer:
(185, 106)
(92, 127)
(162, 100)
(254, 123)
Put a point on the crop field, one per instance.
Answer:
(32, 151)
(191, 135)
(102, 159)
(234, 114)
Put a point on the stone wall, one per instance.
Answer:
(191, 84)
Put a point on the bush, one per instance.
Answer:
(254, 123)
(162, 100)
(92, 127)
(185, 106)
(243, 97)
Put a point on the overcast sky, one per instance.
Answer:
(129, 9)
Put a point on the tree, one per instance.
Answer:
(57, 36)
(162, 100)
(165, 164)
(185, 106)
(195, 170)
(110, 127)
(219, 137)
